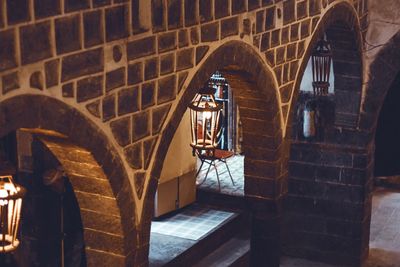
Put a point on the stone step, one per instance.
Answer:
(209, 243)
(233, 253)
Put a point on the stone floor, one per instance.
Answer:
(385, 229)
(235, 165)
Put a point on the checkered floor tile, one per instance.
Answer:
(193, 222)
(235, 165)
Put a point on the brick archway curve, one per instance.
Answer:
(115, 246)
(255, 91)
(383, 71)
(340, 23)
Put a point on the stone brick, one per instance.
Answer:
(210, 32)
(291, 51)
(265, 41)
(270, 18)
(137, 26)
(73, 5)
(128, 101)
(166, 89)
(68, 34)
(191, 16)
(253, 4)
(80, 64)
(115, 79)
(68, 90)
(134, 156)
(278, 73)
(167, 63)
(148, 94)
(151, 68)
(194, 36)
(140, 125)
(302, 10)
(159, 115)
(108, 104)
(205, 9)
(140, 48)
(280, 55)
(268, 2)
(315, 21)
(184, 59)
(89, 88)
(148, 148)
(182, 79)
(201, 52)
(275, 38)
(158, 19)
(294, 66)
(117, 53)
(221, 8)
(300, 49)
(174, 14)
(93, 28)
(46, 8)
(35, 42)
(117, 23)
(260, 21)
(285, 35)
(229, 27)
(305, 28)
(121, 129)
(94, 108)
(17, 11)
(139, 179)
(10, 82)
(52, 72)
(166, 42)
(289, 10)
(270, 57)
(238, 6)
(285, 74)
(294, 32)
(135, 73)
(183, 39)
(7, 50)
(97, 3)
(314, 7)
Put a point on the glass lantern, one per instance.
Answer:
(10, 211)
(321, 66)
(204, 119)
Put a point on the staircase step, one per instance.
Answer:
(233, 253)
(219, 200)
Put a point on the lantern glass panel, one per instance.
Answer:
(321, 64)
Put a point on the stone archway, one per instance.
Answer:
(106, 244)
(265, 176)
(328, 194)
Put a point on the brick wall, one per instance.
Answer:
(127, 67)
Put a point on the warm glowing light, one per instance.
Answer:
(10, 211)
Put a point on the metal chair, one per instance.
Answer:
(209, 157)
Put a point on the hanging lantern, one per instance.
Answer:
(218, 82)
(10, 211)
(204, 119)
(321, 66)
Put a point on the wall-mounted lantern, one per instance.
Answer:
(204, 119)
(11, 196)
(321, 66)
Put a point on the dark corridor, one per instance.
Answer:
(387, 141)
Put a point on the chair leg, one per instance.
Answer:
(201, 165)
(208, 170)
(216, 171)
(230, 175)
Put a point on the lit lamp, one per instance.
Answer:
(11, 196)
(321, 66)
(204, 119)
